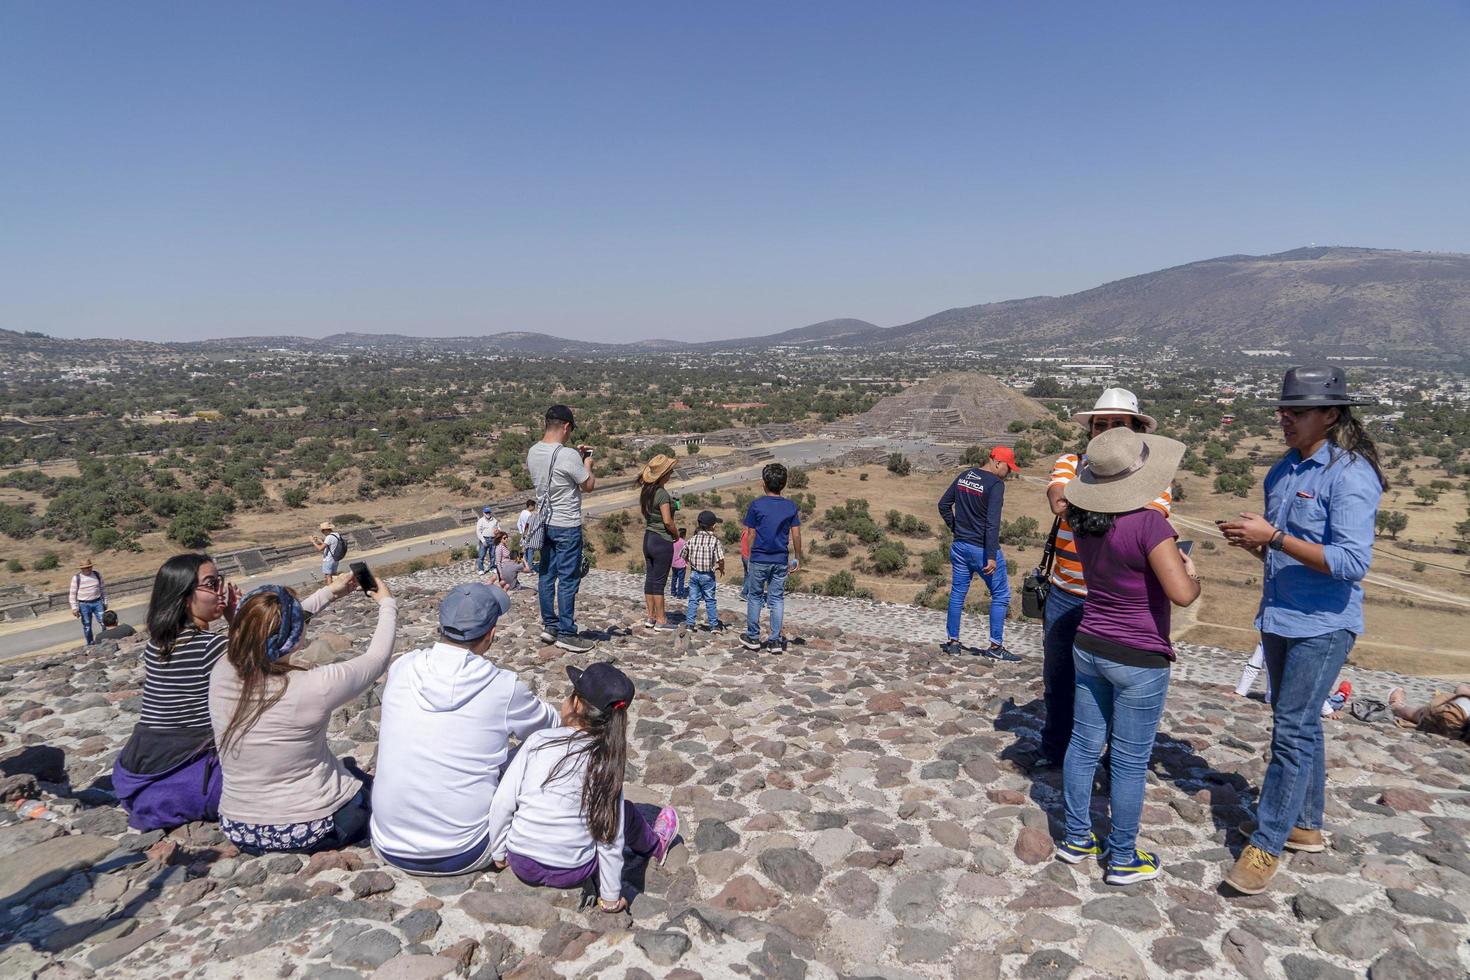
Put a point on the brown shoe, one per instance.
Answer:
(1302, 839)
(1253, 871)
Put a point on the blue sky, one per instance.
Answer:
(692, 170)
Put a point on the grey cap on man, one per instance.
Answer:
(471, 610)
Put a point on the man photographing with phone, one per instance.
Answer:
(560, 476)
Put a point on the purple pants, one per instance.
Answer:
(638, 837)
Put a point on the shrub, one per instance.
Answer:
(837, 549)
(105, 539)
(889, 556)
(349, 518)
(190, 529)
(294, 497)
(14, 565)
(1020, 531)
(798, 480)
(618, 520)
(1025, 453)
(906, 524)
(899, 465)
(613, 539)
(692, 448)
(933, 563)
(17, 521)
(47, 562)
(863, 476)
(658, 449)
(844, 585)
(976, 455)
(730, 533)
(1419, 566)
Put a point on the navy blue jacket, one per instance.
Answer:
(971, 509)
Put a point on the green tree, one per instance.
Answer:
(1427, 495)
(1391, 522)
(899, 465)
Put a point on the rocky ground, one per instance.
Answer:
(859, 807)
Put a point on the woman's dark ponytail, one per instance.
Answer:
(1351, 436)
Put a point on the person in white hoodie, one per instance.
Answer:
(448, 715)
(559, 816)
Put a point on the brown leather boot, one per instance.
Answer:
(1302, 839)
(1253, 871)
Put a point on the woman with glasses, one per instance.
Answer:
(168, 773)
(1115, 408)
(1316, 540)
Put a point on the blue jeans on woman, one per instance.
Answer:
(1119, 706)
(967, 561)
(1058, 678)
(701, 589)
(766, 587)
(1302, 670)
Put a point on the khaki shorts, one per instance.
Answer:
(1442, 716)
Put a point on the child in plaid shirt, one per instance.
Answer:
(705, 556)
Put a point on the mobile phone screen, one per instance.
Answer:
(365, 580)
(1185, 547)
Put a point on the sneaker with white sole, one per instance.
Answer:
(1141, 866)
(548, 636)
(574, 643)
(751, 642)
(665, 828)
(1075, 852)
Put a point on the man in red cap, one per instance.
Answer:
(970, 508)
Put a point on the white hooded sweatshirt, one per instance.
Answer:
(442, 745)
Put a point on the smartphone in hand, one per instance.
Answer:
(364, 576)
(1185, 547)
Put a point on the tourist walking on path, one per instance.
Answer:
(333, 548)
(773, 527)
(88, 597)
(284, 790)
(656, 505)
(485, 530)
(561, 474)
(679, 569)
(705, 554)
(448, 716)
(1316, 540)
(559, 816)
(971, 508)
(1114, 407)
(1122, 654)
(168, 773)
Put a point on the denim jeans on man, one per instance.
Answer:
(701, 589)
(1129, 701)
(560, 571)
(966, 561)
(765, 586)
(1293, 794)
(90, 609)
(1058, 677)
(482, 549)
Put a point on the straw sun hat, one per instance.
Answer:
(657, 468)
(1123, 470)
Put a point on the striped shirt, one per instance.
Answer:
(704, 551)
(1066, 569)
(176, 690)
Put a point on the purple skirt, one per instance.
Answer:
(186, 793)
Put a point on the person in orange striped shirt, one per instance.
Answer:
(1114, 407)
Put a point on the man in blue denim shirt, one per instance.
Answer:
(1316, 539)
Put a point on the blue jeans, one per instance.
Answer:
(1058, 678)
(966, 561)
(765, 586)
(1302, 671)
(1118, 706)
(676, 583)
(701, 589)
(744, 577)
(90, 610)
(482, 549)
(560, 567)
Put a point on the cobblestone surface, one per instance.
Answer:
(860, 806)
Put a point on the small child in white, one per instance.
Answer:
(559, 816)
(1331, 708)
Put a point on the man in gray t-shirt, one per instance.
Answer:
(564, 472)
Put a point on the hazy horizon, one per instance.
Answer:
(656, 171)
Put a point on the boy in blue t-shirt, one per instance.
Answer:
(772, 528)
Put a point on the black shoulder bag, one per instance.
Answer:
(1037, 584)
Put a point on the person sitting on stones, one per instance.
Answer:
(559, 816)
(112, 629)
(284, 790)
(1446, 714)
(1122, 653)
(448, 716)
(168, 774)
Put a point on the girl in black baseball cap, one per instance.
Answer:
(559, 815)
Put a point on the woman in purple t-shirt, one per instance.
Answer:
(1135, 572)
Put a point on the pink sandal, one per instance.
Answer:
(665, 828)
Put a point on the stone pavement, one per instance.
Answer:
(859, 807)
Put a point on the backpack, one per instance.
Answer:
(535, 537)
(337, 550)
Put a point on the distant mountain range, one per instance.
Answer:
(1326, 299)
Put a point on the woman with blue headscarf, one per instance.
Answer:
(284, 790)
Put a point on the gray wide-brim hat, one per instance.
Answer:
(1317, 386)
(1123, 470)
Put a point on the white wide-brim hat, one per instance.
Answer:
(1123, 470)
(1116, 401)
